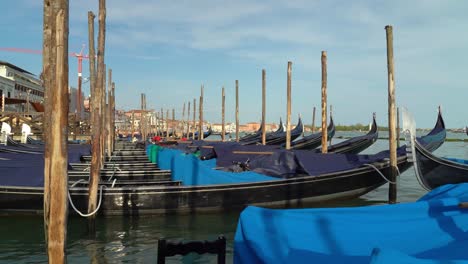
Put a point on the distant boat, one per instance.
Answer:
(314, 140)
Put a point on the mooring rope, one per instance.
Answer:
(381, 174)
(115, 168)
(89, 214)
(113, 183)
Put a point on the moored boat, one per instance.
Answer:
(357, 144)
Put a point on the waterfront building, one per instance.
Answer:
(19, 86)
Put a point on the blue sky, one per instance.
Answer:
(167, 49)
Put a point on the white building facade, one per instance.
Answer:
(18, 83)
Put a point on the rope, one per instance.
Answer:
(92, 213)
(114, 170)
(75, 183)
(381, 174)
(113, 183)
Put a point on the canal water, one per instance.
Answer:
(134, 240)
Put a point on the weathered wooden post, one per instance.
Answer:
(161, 125)
(55, 76)
(288, 108)
(95, 160)
(194, 117)
(398, 126)
(48, 77)
(96, 127)
(167, 123)
(142, 116)
(392, 194)
(182, 122)
(223, 129)
(133, 123)
(331, 117)
(174, 130)
(200, 129)
(264, 106)
(324, 103)
(108, 114)
(103, 114)
(237, 110)
(313, 120)
(188, 121)
(113, 118)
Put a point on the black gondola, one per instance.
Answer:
(357, 144)
(205, 134)
(314, 140)
(433, 171)
(257, 135)
(279, 137)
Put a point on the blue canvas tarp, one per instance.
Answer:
(433, 228)
(389, 256)
(284, 163)
(23, 169)
(18, 169)
(193, 171)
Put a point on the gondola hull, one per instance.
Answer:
(293, 192)
(434, 171)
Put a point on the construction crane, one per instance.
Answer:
(80, 58)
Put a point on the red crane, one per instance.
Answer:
(80, 58)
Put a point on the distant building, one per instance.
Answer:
(18, 86)
(73, 100)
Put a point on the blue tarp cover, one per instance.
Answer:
(193, 171)
(433, 228)
(22, 169)
(389, 256)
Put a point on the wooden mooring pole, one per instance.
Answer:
(324, 103)
(142, 116)
(398, 126)
(392, 193)
(194, 118)
(108, 114)
(223, 128)
(288, 108)
(237, 110)
(264, 105)
(313, 120)
(182, 122)
(331, 117)
(133, 123)
(200, 129)
(97, 108)
(48, 77)
(174, 127)
(113, 118)
(102, 112)
(188, 121)
(55, 66)
(167, 123)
